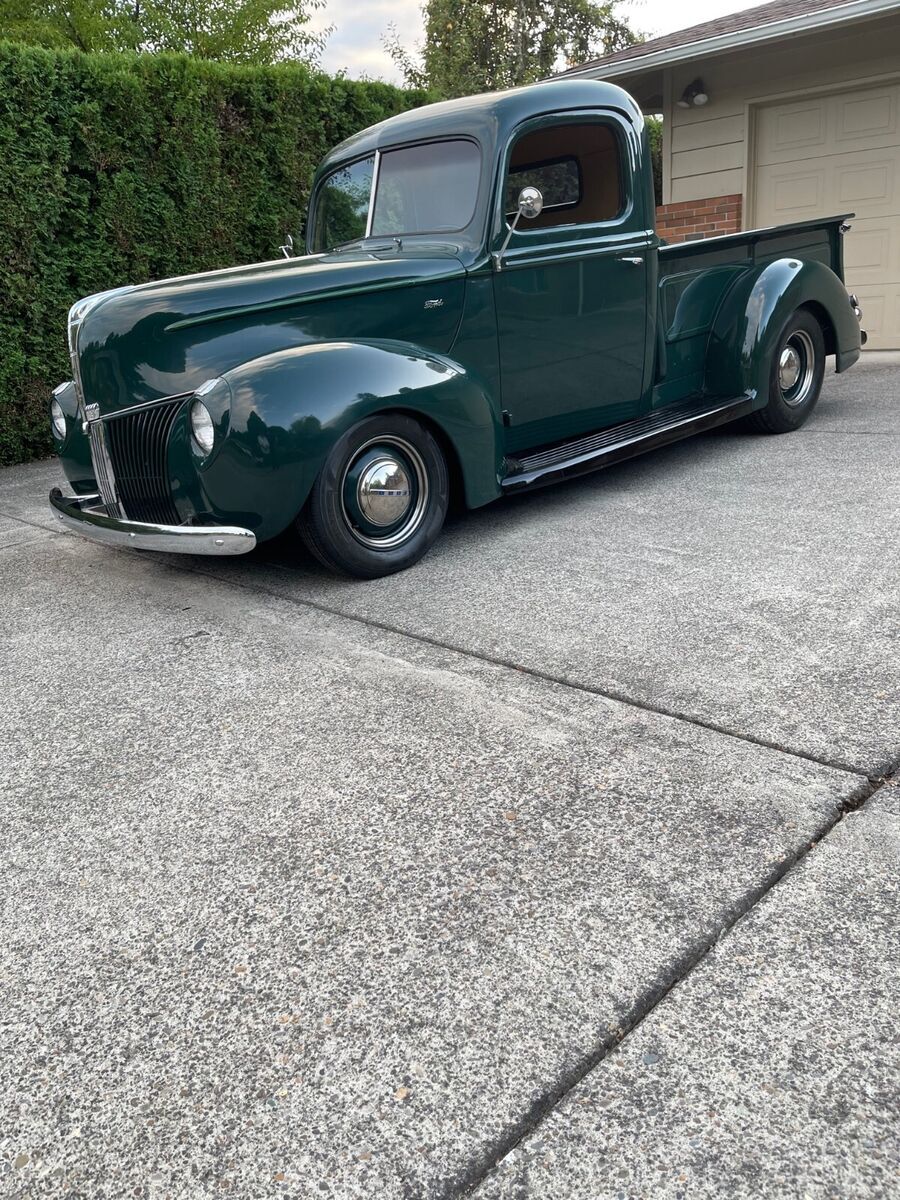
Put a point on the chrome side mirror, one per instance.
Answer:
(288, 248)
(531, 205)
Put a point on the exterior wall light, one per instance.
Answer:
(693, 94)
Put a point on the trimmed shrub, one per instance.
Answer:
(122, 168)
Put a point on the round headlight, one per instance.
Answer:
(58, 420)
(202, 427)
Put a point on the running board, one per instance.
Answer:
(619, 442)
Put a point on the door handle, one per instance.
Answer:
(635, 262)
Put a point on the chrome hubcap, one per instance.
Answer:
(797, 368)
(788, 368)
(383, 491)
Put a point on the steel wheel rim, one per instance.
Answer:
(364, 472)
(796, 368)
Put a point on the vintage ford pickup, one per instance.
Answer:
(483, 306)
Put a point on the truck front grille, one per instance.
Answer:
(138, 443)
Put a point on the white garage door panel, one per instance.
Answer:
(840, 153)
(872, 250)
(861, 120)
(872, 116)
(865, 182)
(789, 129)
(787, 194)
(881, 316)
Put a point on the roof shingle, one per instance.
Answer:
(747, 18)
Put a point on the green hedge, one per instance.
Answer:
(119, 168)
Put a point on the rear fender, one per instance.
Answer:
(753, 312)
(287, 409)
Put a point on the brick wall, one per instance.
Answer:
(699, 218)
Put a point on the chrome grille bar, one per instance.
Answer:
(103, 469)
(138, 442)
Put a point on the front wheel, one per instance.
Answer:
(380, 500)
(795, 375)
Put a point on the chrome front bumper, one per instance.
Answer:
(87, 516)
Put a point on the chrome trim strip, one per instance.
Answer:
(80, 514)
(533, 256)
(133, 408)
(103, 468)
(370, 217)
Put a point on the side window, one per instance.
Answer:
(577, 168)
(559, 183)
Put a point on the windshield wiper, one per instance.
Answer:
(390, 244)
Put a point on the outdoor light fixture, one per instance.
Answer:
(694, 93)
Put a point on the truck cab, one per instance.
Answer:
(483, 306)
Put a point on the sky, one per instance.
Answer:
(355, 45)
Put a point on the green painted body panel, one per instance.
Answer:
(165, 338)
(286, 410)
(749, 321)
(75, 455)
(572, 311)
(568, 337)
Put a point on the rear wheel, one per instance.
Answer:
(795, 375)
(380, 501)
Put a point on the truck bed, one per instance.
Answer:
(694, 276)
(820, 240)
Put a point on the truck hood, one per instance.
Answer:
(165, 338)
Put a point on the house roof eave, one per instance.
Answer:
(840, 14)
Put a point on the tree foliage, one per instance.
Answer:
(655, 135)
(480, 45)
(259, 31)
(118, 168)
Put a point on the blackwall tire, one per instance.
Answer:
(380, 500)
(795, 376)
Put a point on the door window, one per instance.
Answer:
(558, 181)
(578, 169)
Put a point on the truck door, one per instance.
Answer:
(571, 287)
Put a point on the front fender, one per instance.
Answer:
(753, 312)
(288, 408)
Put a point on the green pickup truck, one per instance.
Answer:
(483, 307)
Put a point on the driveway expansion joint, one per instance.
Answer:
(545, 676)
(653, 997)
(498, 661)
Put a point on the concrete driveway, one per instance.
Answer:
(566, 864)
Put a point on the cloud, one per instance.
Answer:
(356, 46)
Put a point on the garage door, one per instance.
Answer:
(833, 154)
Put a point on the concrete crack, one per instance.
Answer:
(545, 676)
(479, 1171)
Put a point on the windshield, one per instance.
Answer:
(430, 188)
